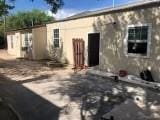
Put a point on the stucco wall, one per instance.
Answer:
(16, 44)
(112, 55)
(69, 30)
(39, 42)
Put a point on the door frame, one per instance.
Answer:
(100, 37)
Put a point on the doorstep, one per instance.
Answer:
(129, 79)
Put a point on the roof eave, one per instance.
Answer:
(112, 10)
(26, 28)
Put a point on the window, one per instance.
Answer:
(11, 41)
(138, 40)
(26, 40)
(56, 38)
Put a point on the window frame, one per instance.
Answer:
(56, 38)
(149, 25)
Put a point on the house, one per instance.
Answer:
(28, 42)
(125, 37)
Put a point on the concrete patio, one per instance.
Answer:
(38, 92)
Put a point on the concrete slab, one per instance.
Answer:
(38, 92)
(128, 110)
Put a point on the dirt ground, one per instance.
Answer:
(38, 92)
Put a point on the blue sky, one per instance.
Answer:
(70, 6)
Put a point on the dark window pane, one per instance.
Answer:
(137, 33)
(131, 36)
(56, 31)
(145, 29)
(138, 29)
(144, 35)
(131, 30)
(137, 48)
(56, 42)
(56, 36)
(131, 33)
(138, 36)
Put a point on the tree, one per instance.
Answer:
(22, 20)
(54, 4)
(2, 40)
(27, 19)
(4, 8)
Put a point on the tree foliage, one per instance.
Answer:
(24, 19)
(4, 7)
(27, 19)
(54, 5)
(1, 27)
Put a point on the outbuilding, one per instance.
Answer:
(125, 37)
(28, 42)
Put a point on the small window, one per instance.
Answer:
(11, 41)
(56, 38)
(26, 40)
(138, 40)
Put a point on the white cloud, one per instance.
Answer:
(63, 13)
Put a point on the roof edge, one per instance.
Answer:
(26, 28)
(149, 3)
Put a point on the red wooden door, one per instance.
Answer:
(78, 53)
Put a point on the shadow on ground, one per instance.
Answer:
(97, 97)
(6, 113)
(28, 104)
(93, 96)
(25, 68)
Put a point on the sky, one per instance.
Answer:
(70, 6)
